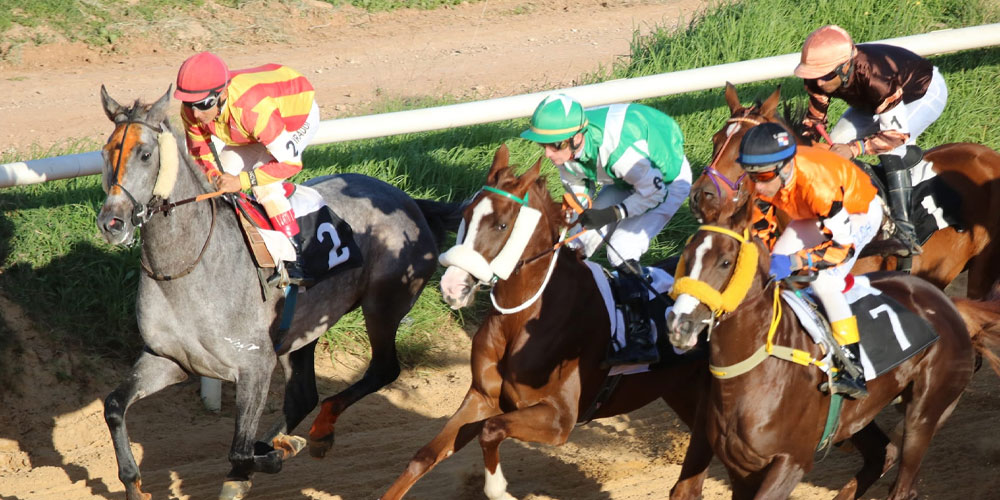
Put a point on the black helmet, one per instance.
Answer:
(764, 146)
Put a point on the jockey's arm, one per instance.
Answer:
(649, 188)
(283, 145)
(838, 245)
(893, 130)
(197, 140)
(819, 103)
(764, 223)
(576, 185)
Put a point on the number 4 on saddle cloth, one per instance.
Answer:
(890, 333)
(328, 245)
(659, 305)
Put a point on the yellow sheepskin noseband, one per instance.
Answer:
(739, 284)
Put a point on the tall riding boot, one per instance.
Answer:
(639, 348)
(850, 379)
(900, 191)
(286, 223)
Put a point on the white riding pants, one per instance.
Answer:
(855, 124)
(629, 238)
(829, 284)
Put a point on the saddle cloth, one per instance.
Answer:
(890, 333)
(662, 281)
(328, 245)
(934, 204)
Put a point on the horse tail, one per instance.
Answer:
(441, 216)
(982, 318)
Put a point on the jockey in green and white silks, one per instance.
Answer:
(628, 157)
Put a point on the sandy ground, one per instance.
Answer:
(54, 444)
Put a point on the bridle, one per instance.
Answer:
(142, 213)
(713, 173)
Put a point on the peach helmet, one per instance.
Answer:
(825, 50)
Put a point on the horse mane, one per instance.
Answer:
(792, 113)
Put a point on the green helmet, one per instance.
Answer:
(558, 117)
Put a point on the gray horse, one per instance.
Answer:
(200, 309)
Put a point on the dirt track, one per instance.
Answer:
(53, 441)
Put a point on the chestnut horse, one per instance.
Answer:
(536, 367)
(765, 420)
(973, 170)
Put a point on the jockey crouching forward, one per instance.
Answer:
(635, 154)
(834, 211)
(255, 122)
(894, 95)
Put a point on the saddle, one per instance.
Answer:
(890, 333)
(328, 245)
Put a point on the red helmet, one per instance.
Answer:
(825, 49)
(201, 75)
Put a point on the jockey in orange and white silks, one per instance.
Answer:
(834, 211)
(894, 95)
(258, 120)
(633, 153)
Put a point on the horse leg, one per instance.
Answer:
(382, 370)
(251, 393)
(301, 397)
(922, 421)
(879, 454)
(150, 374)
(983, 272)
(782, 475)
(464, 425)
(699, 453)
(541, 423)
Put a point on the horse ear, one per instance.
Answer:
(158, 111)
(731, 98)
(742, 215)
(771, 104)
(501, 160)
(530, 176)
(112, 109)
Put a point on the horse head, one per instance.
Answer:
(512, 217)
(140, 166)
(719, 190)
(720, 266)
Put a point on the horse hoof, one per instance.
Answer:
(234, 490)
(319, 447)
(289, 445)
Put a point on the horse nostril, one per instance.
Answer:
(114, 225)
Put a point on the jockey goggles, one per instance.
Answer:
(765, 176)
(206, 103)
(557, 146)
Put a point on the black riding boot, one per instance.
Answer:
(850, 381)
(639, 348)
(295, 268)
(900, 190)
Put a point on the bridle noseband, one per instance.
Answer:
(713, 173)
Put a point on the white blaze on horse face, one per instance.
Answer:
(483, 208)
(733, 127)
(685, 303)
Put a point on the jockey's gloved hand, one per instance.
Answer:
(781, 266)
(596, 218)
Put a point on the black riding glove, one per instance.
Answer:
(596, 218)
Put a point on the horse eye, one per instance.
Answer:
(502, 227)
(145, 156)
(726, 263)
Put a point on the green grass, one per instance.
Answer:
(56, 266)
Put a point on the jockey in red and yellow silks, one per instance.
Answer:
(247, 129)
(834, 211)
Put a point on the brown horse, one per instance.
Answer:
(765, 420)
(973, 170)
(536, 366)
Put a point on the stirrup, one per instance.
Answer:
(847, 386)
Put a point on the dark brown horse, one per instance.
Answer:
(765, 420)
(973, 170)
(536, 365)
